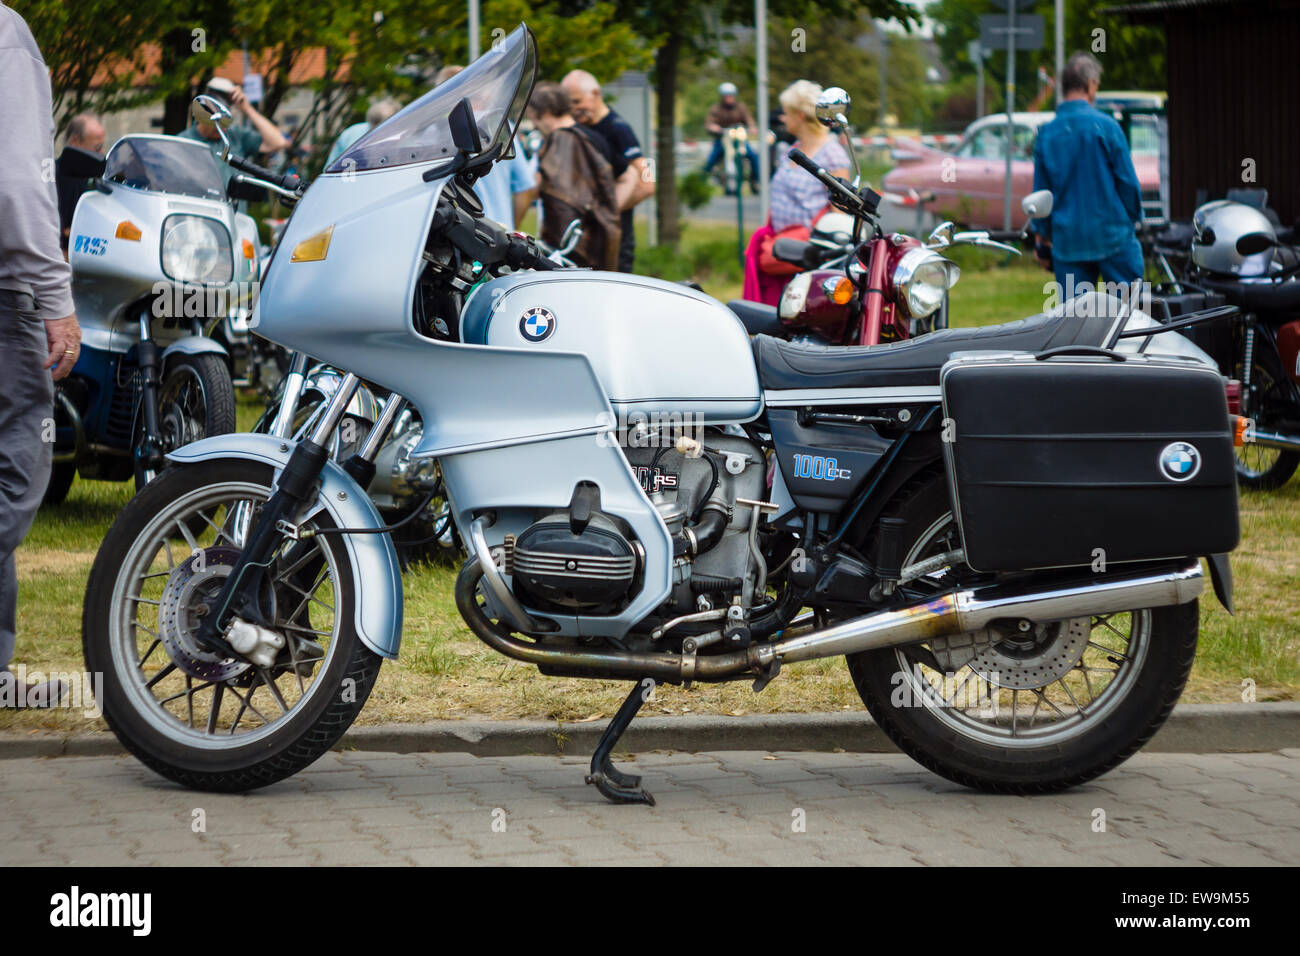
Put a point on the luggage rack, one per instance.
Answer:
(1186, 321)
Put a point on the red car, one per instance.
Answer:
(968, 183)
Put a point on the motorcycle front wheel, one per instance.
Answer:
(1040, 712)
(207, 722)
(195, 400)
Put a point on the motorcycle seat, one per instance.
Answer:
(916, 362)
(758, 319)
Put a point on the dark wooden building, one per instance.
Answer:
(1232, 72)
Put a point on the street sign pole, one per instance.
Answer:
(976, 54)
(473, 30)
(1011, 105)
(1060, 46)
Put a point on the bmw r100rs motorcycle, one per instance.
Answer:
(1002, 539)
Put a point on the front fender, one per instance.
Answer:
(194, 345)
(376, 576)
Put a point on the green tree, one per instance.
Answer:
(682, 30)
(1133, 57)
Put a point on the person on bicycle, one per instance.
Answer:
(727, 114)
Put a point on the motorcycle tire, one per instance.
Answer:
(61, 478)
(161, 739)
(1261, 469)
(213, 377)
(933, 734)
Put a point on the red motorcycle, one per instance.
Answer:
(886, 288)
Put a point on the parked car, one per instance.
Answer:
(968, 182)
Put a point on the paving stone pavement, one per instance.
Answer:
(713, 808)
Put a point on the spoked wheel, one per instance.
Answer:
(195, 400)
(1023, 712)
(201, 719)
(1258, 467)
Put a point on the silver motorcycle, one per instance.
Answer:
(1001, 539)
(159, 256)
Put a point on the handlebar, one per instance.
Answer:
(289, 181)
(826, 179)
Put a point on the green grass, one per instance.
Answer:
(444, 672)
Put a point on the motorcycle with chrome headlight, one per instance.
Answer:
(159, 256)
(992, 525)
(858, 289)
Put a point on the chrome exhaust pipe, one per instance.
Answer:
(962, 611)
(1275, 440)
(952, 613)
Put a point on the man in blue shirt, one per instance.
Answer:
(1083, 157)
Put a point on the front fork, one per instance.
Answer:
(294, 492)
(150, 451)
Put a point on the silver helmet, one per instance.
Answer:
(1216, 228)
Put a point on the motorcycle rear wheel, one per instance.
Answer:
(235, 730)
(62, 475)
(1130, 671)
(1260, 468)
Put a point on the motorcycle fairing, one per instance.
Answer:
(111, 273)
(377, 577)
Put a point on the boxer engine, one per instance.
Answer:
(706, 490)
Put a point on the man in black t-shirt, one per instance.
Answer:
(85, 133)
(633, 183)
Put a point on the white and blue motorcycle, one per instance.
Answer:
(159, 256)
(1000, 528)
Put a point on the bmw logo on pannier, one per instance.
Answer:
(1180, 461)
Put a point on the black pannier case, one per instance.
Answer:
(1050, 460)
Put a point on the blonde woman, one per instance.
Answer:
(797, 197)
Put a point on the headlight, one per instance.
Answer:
(921, 279)
(196, 249)
(795, 297)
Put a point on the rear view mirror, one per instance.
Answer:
(1037, 205)
(80, 163)
(1254, 242)
(833, 108)
(209, 109)
(464, 128)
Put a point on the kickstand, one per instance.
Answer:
(613, 784)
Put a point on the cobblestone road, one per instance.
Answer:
(727, 808)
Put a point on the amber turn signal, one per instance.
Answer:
(314, 248)
(249, 251)
(126, 229)
(839, 291)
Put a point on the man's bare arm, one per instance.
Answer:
(272, 139)
(635, 185)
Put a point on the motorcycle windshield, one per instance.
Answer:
(165, 164)
(498, 85)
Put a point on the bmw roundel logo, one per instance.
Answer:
(1180, 461)
(537, 324)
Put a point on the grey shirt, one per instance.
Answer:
(30, 260)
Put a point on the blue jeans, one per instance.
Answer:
(1124, 267)
(715, 154)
